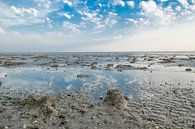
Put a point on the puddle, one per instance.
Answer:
(36, 73)
(95, 84)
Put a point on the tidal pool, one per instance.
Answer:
(92, 82)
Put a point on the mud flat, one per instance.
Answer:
(97, 91)
(158, 108)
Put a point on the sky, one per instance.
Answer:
(97, 25)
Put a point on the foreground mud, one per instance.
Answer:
(97, 91)
(161, 107)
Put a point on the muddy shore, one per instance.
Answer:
(143, 91)
(157, 108)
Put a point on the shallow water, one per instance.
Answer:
(96, 84)
(37, 75)
(66, 78)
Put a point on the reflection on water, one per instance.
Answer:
(93, 82)
(72, 71)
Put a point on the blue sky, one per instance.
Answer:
(95, 25)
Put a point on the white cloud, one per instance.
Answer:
(130, 20)
(152, 14)
(131, 4)
(89, 18)
(48, 21)
(163, 0)
(184, 2)
(67, 15)
(149, 6)
(43, 3)
(70, 27)
(110, 22)
(100, 22)
(2, 31)
(119, 2)
(117, 37)
(100, 5)
(192, 7)
(111, 19)
(44, 42)
(25, 11)
(179, 37)
(68, 2)
(178, 8)
(90, 15)
(188, 8)
(157, 15)
(13, 16)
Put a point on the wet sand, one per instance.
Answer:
(164, 98)
(157, 108)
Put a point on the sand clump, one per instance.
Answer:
(170, 108)
(123, 67)
(115, 98)
(2, 109)
(188, 69)
(94, 65)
